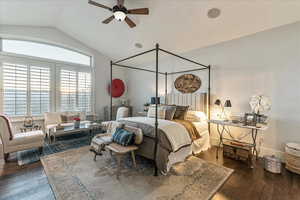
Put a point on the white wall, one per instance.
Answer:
(50, 35)
(265, 63)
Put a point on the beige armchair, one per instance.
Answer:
(19, 141)
(122, 113)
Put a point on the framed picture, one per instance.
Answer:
(250, 119)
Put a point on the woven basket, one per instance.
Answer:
(292, 163)
(293, 149)
(292, 157)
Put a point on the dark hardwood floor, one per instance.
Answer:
(30, 182)
(254, 184)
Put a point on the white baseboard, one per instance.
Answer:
(263, 150)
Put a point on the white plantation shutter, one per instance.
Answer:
(33, 87)
(15, 89)
(39, 90)
(84, 91)
(68, 87)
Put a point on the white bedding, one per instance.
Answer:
(176, 133)
(179, 137)
(203, 143)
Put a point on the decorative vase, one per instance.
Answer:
(77, 124)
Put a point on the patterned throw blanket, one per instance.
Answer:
(176, 135)
(194, 134)
(171, 137)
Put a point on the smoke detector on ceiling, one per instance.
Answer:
(214, 13)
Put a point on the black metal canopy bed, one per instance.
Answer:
(156, 141)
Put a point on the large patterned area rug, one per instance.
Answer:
(63, 143)
(74, 175)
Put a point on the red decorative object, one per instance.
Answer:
(76, 119)
(118, 88)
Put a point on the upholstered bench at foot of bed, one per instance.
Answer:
(120, 151)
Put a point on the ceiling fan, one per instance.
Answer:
(120, 12)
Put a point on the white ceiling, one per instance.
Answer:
(178, 25)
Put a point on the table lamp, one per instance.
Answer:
(224, 113)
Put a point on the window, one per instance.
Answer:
(68, 90)
(15, 89)
(23, 84)
(75, 89)
(39, 90)
(33, 86)
(84, 91)
(44, 51)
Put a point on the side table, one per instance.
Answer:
(30, 128)
(222, 128)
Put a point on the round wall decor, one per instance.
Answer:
(187, 83)
(118, 88)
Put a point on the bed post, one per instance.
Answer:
(111, 100)
(156, 110)
(166, 87)
(209, 87)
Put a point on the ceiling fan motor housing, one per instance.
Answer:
(122, 9)
(119, 12)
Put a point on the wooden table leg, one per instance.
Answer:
(6, 156)
(133, 158)
(119, 164)
(221, 139)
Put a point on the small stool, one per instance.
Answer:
(120, 151)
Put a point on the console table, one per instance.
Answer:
(89, 128)
(222, 128)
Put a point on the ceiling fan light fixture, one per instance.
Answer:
(120, 12)
(119, 15)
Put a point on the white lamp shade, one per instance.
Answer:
(119, 15)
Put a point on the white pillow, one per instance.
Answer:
(161, 112)
(195, 116)
(137, 132)
(122, 113)
(112, 127)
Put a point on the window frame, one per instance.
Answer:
(54, 66)
(71, 68)
(40, 58)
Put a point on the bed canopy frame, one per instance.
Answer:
(157, 49)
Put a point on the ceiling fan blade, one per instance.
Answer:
(139, 11)
(108, 19)
(120, 3)
(99, 5)
(130, 22)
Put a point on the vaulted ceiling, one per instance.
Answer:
(178, 25)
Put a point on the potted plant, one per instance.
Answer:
(76, 122)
